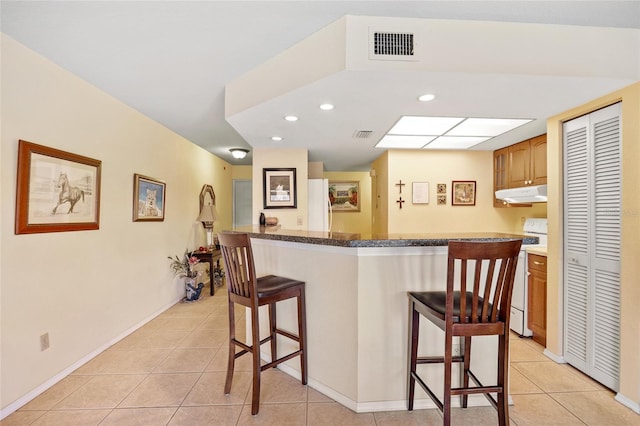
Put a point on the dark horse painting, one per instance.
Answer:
(68, 194)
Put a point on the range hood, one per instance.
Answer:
(525, 194)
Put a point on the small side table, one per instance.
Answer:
(211, 257)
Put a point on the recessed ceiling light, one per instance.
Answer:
(276, 138)
(291, 118)
(326, 107)
(426, 98)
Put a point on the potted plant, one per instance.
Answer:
(183, 267)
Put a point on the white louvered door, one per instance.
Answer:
(592, 155)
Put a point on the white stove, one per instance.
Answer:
(537, 228)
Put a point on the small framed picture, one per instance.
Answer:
(463, 193)
(344, 196)
(57, 190)
(420, 193)
(442, 200)
(149, 196)
(442, 188)
(279, 190)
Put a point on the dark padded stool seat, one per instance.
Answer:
(270, 284)
(437, 301)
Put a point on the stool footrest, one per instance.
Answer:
(437, 359)
(486, 390)
(285, 333)
(426, 388)
(280, 360)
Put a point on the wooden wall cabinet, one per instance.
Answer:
(518, 165)
(537, 297)
(528, 162)
(500, 174)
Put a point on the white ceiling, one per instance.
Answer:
(171, 61)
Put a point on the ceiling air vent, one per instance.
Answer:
(391, 45)
(362, 134)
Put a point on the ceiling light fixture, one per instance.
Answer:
(239, 153)
(426, 98)
(291, 118)
(411, 132)
(276, 138)
(326, 107)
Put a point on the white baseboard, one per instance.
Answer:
(554, 357)
(377, 406)
(14, 406)
(628, 403)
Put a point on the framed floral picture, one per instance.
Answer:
(344, 196)
(463, 193)
(57, 190)
(149, 196)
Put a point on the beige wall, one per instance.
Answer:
(630, 245)
(241, 172)
(437, 167)
(89, 288)
(380, 194)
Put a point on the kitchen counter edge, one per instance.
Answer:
(340, 239)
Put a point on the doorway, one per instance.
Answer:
(242, 200)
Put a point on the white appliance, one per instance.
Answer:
(525, 194)
(537, 228)
(319, 207)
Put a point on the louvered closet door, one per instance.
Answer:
(592, 244)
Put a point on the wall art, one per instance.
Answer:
(149, 199)
(56, 190)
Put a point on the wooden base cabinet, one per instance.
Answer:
(537, 297)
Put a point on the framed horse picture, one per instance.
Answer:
(148, 199)
(57, 191)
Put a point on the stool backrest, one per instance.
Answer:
(486, 269)
(238, 261)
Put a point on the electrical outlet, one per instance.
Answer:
(456, 350)
(44, 342)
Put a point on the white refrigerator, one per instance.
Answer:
(319, 214)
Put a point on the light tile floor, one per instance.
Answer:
(172, 372)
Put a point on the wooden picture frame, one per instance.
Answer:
(463, 193)
(56, 190)
(207, 196)
(279, 188)
(149, 199)
(344, 195)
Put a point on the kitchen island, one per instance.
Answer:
(357, 310)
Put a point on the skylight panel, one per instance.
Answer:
(404, 142)
(455, 142)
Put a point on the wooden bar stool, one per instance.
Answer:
(477, 302)
(246, 289)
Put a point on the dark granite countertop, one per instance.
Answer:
(341, 239)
